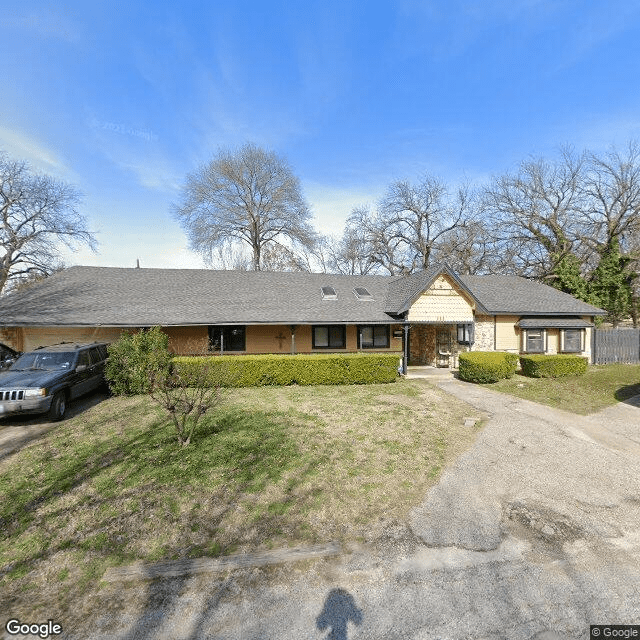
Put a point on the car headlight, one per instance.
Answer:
(30, 393)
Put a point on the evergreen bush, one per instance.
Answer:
(262, 370)
(135, 359)
(553, 366)
(486, 366)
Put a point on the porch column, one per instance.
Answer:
(221, 341)
(405, 347)
(293, 339)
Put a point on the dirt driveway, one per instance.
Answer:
(532, 533)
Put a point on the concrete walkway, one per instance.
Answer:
(431, 373)
(533, 533)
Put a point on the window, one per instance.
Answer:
(329, 293)
(572, 340)
(374, 336)
(96, 355)
(84, 359)
(362, 293)
(329, 337)
(465, 333)
(227, 339)
(534, 341)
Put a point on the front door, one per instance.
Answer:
(443, 347)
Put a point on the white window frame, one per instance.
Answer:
(562, 341)
(525, 338)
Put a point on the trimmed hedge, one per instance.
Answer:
(553, 366)
(486, 366)
(262, 370)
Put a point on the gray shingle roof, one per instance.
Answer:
(143, 297)
(519, 296)
(90, 296)
(545, 322)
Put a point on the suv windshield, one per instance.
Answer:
(44, 360)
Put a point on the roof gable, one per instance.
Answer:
(405, 290)
(442, 301)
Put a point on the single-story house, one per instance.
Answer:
(428, 317)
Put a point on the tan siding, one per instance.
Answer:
(352, 337)
(395, 344)
(442, 302)
(13, 337)
(269, 339)
(187, 340)
(277, 339)
(507, 333)
(303, 339)
(553, 341)
(43, 336)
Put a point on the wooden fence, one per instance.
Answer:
(617, 346)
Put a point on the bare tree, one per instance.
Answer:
(535, 214)
(470, 248)
(248, 196)
(37, 213)
(352, 253)
(612, 190)
(26, 281)
(186, 397)
(278, 257)
(410, 223)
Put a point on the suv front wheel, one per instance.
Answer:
(58, 406)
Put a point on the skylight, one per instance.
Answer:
(329, 293)
(362, 293)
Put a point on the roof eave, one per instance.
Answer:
(560, 314)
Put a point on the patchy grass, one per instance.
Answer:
(600, 387)
(273, 467)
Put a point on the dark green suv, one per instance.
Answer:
(44, 380)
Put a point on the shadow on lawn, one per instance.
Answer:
(629, 394)
(27, 428)
(251, 450)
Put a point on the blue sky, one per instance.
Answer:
(124, 100)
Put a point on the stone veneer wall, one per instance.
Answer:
(484, 334)
(422, 344)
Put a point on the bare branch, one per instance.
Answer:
(37, 213)
(248, 196)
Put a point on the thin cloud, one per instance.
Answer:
(22, 147)
(154, 174)
(332, 206)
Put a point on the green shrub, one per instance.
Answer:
(553, 366)
(486, 366)
(134, 359)
(261, 370)
(512, 361)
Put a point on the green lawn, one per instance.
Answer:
(600, 387)
(273, 467)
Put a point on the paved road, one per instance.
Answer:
(534, 533)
